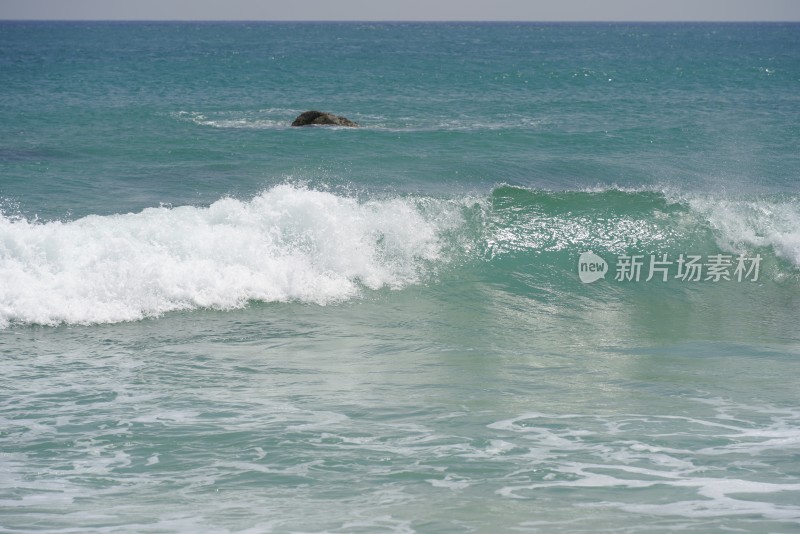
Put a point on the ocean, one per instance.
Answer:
(551, 283)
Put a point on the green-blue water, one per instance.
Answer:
(213, 322)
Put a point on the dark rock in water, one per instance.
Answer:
(320, 118)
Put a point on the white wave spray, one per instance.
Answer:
(289, 243)
(742, 224)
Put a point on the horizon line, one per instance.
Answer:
(423, 21)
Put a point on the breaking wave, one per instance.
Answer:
(287, 244)
(295, 244)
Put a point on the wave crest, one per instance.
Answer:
(291, 243)
(287, 244)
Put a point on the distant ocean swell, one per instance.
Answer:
(293, 243)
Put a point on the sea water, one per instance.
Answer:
(550, 284)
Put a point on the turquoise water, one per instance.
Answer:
(213, 322)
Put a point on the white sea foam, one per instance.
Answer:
(289, 243)
(754, 223)
(703, 487)
(741, 224)
(266, 119)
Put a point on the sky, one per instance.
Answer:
(410, 10)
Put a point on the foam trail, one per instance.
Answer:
(287, 244)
